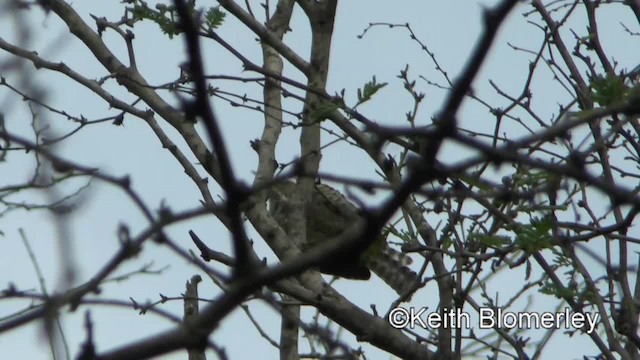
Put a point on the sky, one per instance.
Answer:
(449, 28)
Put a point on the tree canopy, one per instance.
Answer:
(494, 147)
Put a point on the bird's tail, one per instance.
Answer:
(392, 267)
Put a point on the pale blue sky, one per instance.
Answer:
(449, 28)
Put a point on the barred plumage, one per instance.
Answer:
(329, 214)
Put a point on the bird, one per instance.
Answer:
(329, 214)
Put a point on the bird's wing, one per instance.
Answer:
(334, 199)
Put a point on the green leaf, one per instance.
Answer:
(608, 90)
(494, 241)
(369, 90)
(447, 243)
(535, 236)
(475, 181)
(529, 178)
(167, 19)
(214, 17)
(550, 288)
(164, 17)
(323, 111)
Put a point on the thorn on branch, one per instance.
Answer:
(101, 24)
(88, 348)
(255, 145)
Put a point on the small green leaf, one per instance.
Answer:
(475, 181)
(447, 243)
(369, 90)
(535, 236)
(167, 19)
(494, 241)
(608, 90)
(324, 110)
(214, 17)
(163, 17)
